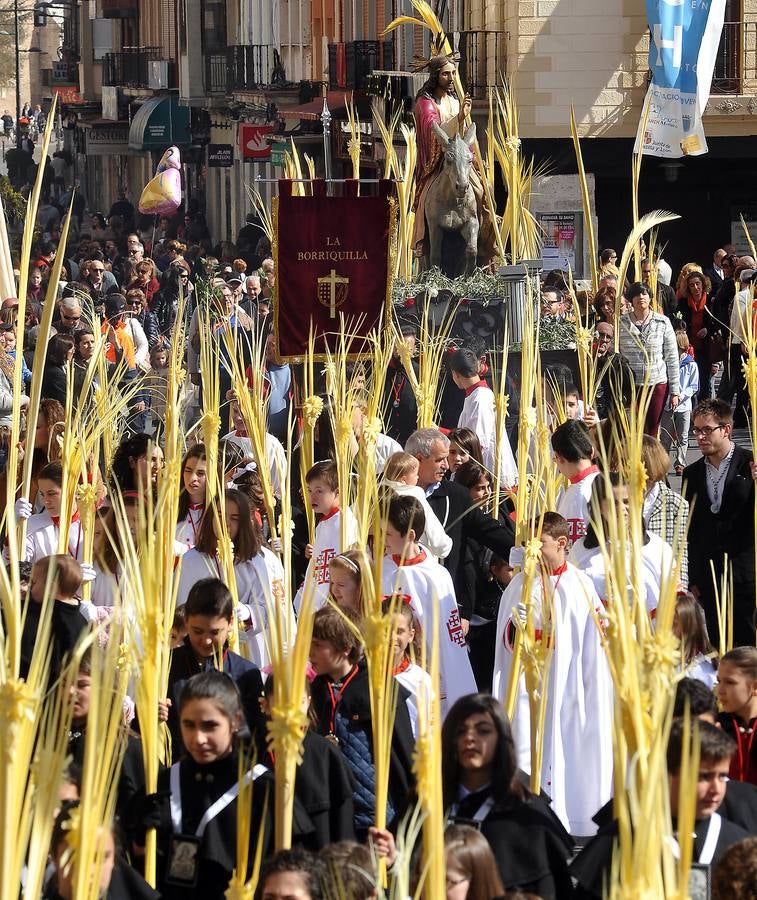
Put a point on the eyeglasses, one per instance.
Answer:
(133, 302)
(705, 431)
(70, 318)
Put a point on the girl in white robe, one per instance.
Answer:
(192, 498)
(43, 529)
(259, 573)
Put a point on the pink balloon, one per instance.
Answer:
(162, 194)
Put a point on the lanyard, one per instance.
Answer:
(214, 809)
(743, 769)
(336, 698)
(397, 390)
(480, 814)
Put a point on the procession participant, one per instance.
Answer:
(323, 495)
(43, 529)
(737, 694)
(209, 616)
(574, 458)
(410, 570)
(481, 788)
(461, 518)
(577, 751)
(720, 489)
(479, 415)
(275, 454)
(413, 677)
(657, 560)
(713, 834)
(464, 446)
(258, 572)
(341, 703)
(194, 468)
(346, 579)
(195, 807)
(399, 406)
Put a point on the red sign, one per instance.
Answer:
(333, 264)
(68, 94)
(252, 141)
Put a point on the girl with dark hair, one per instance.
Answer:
(195, 807)
(464, 446)
(259, 573)
(165, 302)
(481, 787)
(130, 469)
(698, 658)
(194, 469)
(657, 560)
(60, 352)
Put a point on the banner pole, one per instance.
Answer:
(326, 122)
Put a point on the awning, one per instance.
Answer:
(337, 103)
(158, 123)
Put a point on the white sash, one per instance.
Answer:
(214, 809)
(710, 842)
(480, 814)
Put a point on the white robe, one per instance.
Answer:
(256, 578)
(42, 538)
(429, 585)
(327, 544)
(188, 529)
(417, 682)
(656, 559)
(577, 762)
(274, 451)
(574, 502)
(478, 414)
(434, 538)
(385, 447)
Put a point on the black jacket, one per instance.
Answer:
(184, 665)
(464, 521)
(355, 706)
(399, 404)
(731, 531)
(531, 848)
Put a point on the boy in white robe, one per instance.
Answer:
(409, 570)
(323, 495)
(479, 415)
(573, 456)
(577, 751)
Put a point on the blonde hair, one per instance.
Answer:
(399, 465)
(355, 564)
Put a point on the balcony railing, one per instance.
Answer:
(129, 67)
(249, 67)
(482, 59)
(351, 63)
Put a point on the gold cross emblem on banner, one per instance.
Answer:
(332, 291)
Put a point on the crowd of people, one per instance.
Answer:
(455, 566)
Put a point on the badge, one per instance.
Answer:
(396, 404)
(183, 860)
(333, 738)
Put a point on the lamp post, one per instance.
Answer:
(18, 75)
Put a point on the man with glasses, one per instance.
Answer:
(99, 279)
(69, 316)
(720, 491)
(614, 374)
(553, 303)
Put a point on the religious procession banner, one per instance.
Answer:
(683, 46)
(334, 263)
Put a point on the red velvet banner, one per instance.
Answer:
(332, 260)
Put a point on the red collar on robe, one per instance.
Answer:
(561, 569)
(330, 514)
(575, 479)
(475, 387)
(411, 560)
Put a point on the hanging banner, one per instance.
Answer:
(334, 261)
(683, 45)
(252, 141)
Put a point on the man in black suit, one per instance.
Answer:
(715, 271)
(460, 517)
(720, 489)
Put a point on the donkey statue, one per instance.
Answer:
(450, 201)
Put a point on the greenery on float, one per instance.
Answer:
(479, 285)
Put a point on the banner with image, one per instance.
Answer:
(683, 45)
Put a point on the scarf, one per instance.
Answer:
(697, 318)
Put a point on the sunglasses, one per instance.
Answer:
(93, 269)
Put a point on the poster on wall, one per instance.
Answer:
(562, 246)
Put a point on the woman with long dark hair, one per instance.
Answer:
(481, 787)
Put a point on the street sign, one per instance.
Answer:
(220, 155)
(252, 141)
(278, 149)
